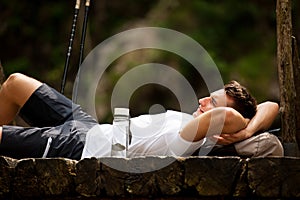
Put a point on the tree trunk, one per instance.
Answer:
(285, 70)
(296, 68)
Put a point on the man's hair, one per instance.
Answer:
(243, 101)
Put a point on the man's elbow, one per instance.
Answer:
(275, 106)
(271, 105)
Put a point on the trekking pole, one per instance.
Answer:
(81, 51)
(83, 34)
(68, 56)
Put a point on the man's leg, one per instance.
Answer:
(14, 92)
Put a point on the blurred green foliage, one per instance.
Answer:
(239, 35)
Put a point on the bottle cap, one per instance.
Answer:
(121, 111)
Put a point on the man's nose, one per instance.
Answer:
(200, 101)
(203, 101)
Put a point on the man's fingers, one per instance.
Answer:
(221, 140)
(224, 139)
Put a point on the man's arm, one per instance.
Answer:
(221, 119)
(263, 119)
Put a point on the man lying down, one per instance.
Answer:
(60, 128)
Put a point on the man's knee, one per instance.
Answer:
(16, 77)
(18, 81)
(18, 88)
(12, 80)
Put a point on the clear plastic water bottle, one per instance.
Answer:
(121, 132)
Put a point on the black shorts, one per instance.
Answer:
(57, 128)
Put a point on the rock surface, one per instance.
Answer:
(150, 177)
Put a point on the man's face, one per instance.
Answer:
(216, 99)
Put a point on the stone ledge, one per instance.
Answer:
(142, 178)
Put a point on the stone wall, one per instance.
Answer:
(143, 178)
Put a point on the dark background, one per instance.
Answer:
(240, 36)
